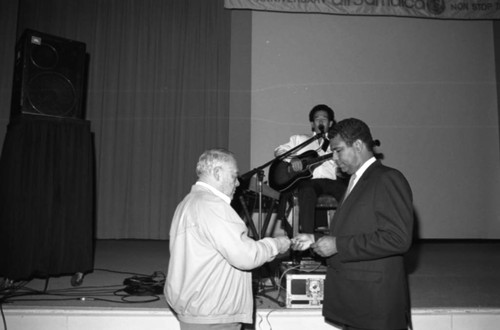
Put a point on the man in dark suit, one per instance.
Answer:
(366, 285)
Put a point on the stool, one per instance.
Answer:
(324, 202)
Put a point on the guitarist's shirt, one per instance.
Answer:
(326, 170)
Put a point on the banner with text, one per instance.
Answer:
(439, 9)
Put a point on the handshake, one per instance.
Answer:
(325, 246)
(300, 242)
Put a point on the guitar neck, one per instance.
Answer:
(309, 162)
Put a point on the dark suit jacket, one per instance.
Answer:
(366, 283)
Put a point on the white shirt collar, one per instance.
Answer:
(362, 169)
(224, 197)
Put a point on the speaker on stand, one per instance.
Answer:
(46, 164)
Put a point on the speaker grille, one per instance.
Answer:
(51, 94)
(49, 76)
(44, 57)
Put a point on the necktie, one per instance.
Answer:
(325, 144)
(351, 184)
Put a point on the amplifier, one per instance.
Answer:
(304, 290)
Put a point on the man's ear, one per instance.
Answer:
(358, 145)
(216, 171)
(312, 126)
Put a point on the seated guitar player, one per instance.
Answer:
(310, 170)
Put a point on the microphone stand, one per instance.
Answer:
(249, 174)
(245, 178)
(260, 178)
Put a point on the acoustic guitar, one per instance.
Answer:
(282, 175)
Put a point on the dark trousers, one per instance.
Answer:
(308, 192)
(346, 327)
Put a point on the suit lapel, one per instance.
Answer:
(350, 201)
(361, 182)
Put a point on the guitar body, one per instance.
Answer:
(282, 177)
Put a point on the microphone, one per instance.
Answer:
(321, 128)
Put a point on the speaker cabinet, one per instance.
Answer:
(49, 74)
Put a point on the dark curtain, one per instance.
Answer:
(8, 22)
(157, 96)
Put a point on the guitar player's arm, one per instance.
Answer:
(295, 162)
(295, 140)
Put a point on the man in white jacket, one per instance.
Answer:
(209, 283)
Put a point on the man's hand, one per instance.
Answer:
(283, 243)
(296, 164)
(325, 246)
(302, 242)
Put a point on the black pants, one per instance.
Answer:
(308, 192)
(346, 327)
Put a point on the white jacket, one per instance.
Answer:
(208, 279)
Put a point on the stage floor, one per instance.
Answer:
(443, 274)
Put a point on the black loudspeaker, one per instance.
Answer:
(49, 75)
